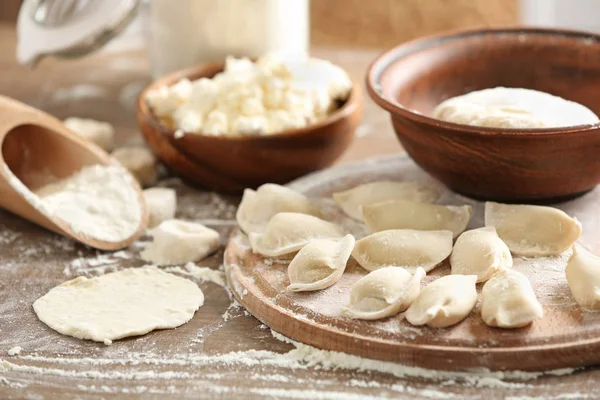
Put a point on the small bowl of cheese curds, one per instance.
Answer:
(240, 123)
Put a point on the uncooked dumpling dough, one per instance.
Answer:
(508, 301)
(180, 242)
(319, 264)
(258, 207)
(352, 200)
(480, 252)
(403, 214)
(405, 248)
(161, 204)
(383, 293)
(130, 302)
(444, 302)
(513, 108)
(288, 232)
(532, 230)
(583, 276)
(98, 132)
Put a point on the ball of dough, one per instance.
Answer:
(583, 277)
(100, 133)
(161, 204)
(179, 242)
(140, 161)
(130, 302)
(513, 108)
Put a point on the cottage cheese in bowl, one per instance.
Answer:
(265, 97)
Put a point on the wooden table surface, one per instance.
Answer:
(223, 352)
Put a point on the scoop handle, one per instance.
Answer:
(14, 113)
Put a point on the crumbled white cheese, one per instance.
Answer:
(247, 98)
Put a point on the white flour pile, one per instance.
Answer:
(97, 201)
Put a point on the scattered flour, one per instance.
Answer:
(300, 357)
(203, 274)
(234, 310)
(14, 350)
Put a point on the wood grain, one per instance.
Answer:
(387, 23)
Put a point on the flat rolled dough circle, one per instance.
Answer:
(126, 303)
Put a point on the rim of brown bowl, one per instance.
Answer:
(350, 105)
(388, 57)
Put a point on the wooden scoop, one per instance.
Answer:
(38, 149)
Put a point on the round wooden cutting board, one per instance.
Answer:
(567, 336)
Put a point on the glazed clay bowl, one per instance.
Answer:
(230, 164)
(533, 165)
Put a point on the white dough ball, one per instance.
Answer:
(513, 108)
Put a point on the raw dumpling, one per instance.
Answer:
(480, 252)
(319, 264)
(508, 301)
(532, 230)
(258, 207)
(289, 232)
(384, 293)
(352, 200)
(405, 248)
(403, 214)
(444, 302)
(178, 242)
(583, 276)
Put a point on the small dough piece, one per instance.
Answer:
(404, 248)
(444, 302)
(352, 200)
(403, 214)
(319, 264)
(258, 207)
(100, 133)
(583, 276)
(130, 302)
(161, 204)
(508, 301)
(140, 162)
(383, 293)
(289, 232)
(180, 242)
(480, 252)
(533, 230)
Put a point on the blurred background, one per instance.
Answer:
(382, 23)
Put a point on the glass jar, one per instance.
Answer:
(186, 32)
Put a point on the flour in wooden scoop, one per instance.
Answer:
(97, 201)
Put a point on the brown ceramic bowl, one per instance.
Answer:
(533, 165)
(230, 164)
